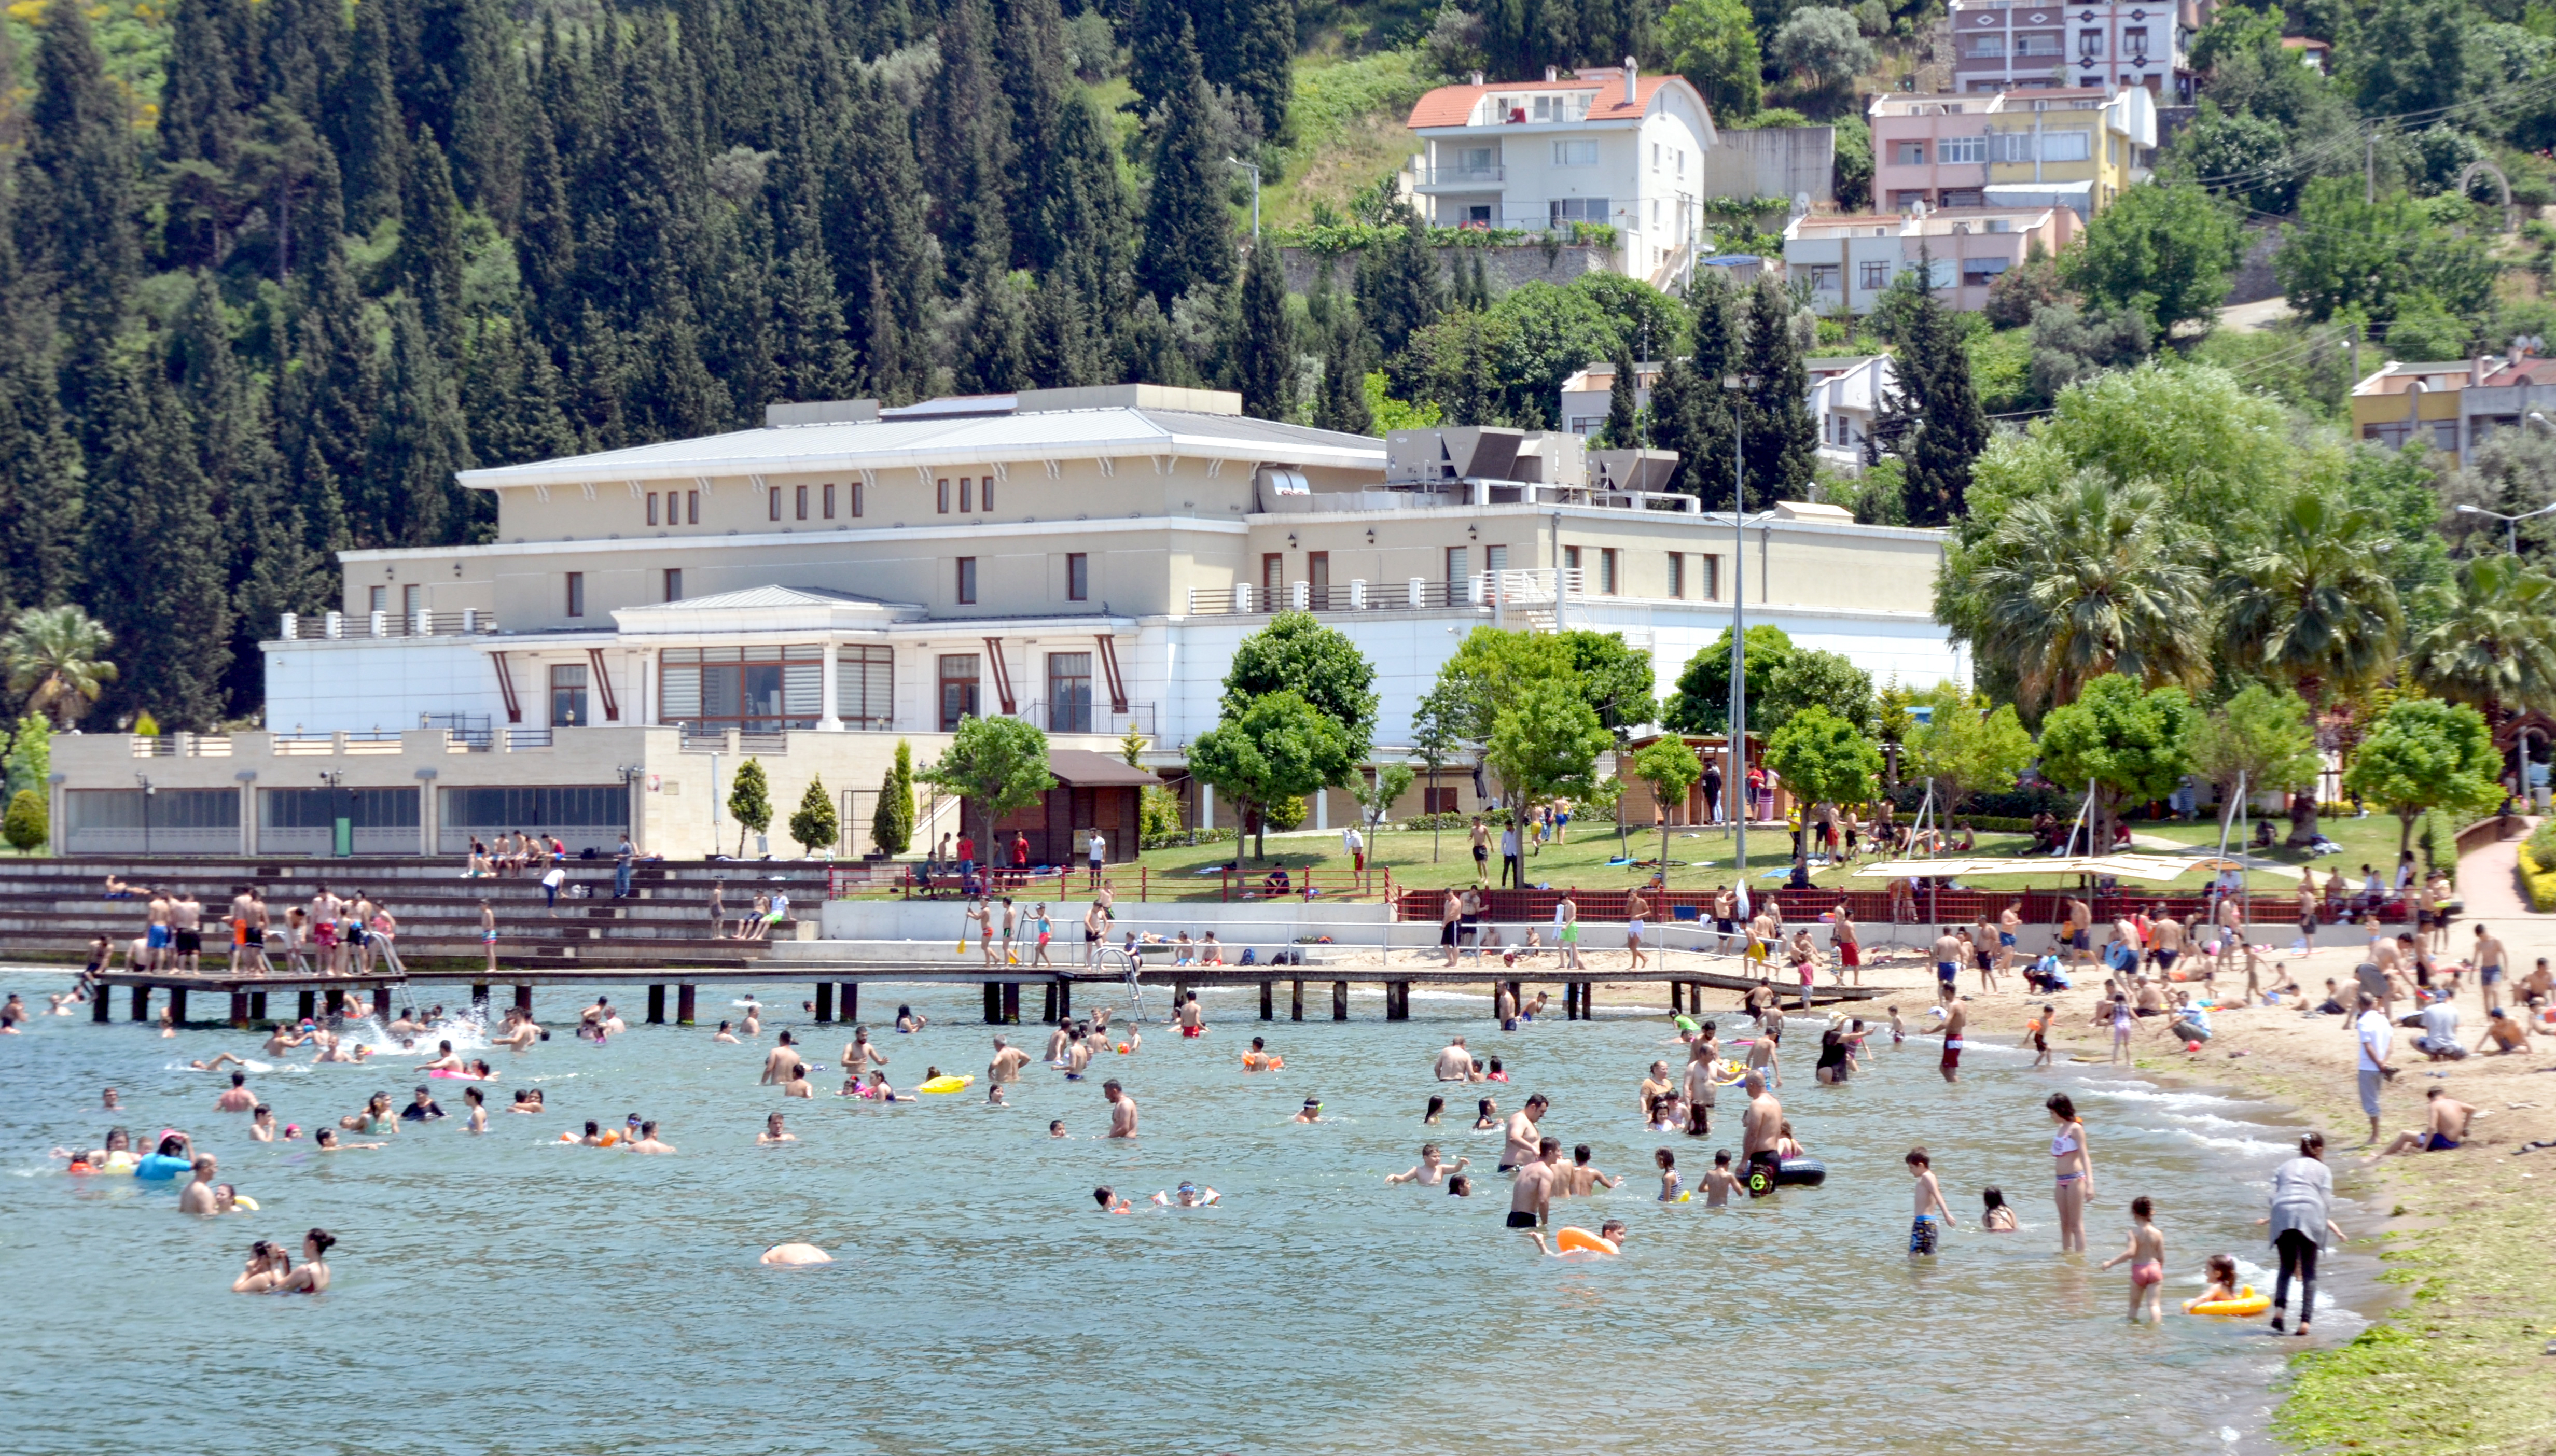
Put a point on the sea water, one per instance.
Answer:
(509, 1292)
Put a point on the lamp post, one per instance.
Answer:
(2511, 523)
(333, 780)
(1254, 169)
(147, 791)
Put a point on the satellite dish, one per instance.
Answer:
(1801, 205)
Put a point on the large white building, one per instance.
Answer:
(811, 592)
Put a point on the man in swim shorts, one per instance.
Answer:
(1761, 1128)
(1523, 1139)
(1454, 1063)
(1007, 1063)
(1948, 959)
(1531, 1197)
(2445, 1129)
(1122, 1110)
(1955, 1017)
(1702, 1058)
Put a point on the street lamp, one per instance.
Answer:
(147, 791)
(2510, 524)
(1254, 169)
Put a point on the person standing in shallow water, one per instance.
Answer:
(2074, 1170)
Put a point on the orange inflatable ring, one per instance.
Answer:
(1253, 1061)
(1580, 1241)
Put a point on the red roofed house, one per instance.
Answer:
(1606, 146)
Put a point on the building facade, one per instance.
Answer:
(2452, 406)
(809, 593)
(2002, 45)
(1849, 259)
(2077, 147)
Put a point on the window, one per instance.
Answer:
(864, 679)
(1876, 276)
(966, 581)
(1078, 576)
(1496, 558)
(1575, 154)
(957, 689)
(673, 583)
(966, 494)
(1712, 582)
(799, 502)
(2134, 44)
(1570, 558)
(1273, 581)
(2090, 44)
(1984, 48)
(760, 689)
(1954, 149)
(1911, 154)
(776, 501)
(944, 484)
(857, 503)
(691, 508)
(986, 494)
(1068, 692)
(1607, 571)
(1677, 574)
(576, 594)
(829, 500)
(1655, 155)
(2445, 436)
(412, 600)
(1459, 566)
(2067, 146)
(2045, 43)
(1823, 277)
(1575, 209)
(1438, 801)
(378, 599)
(1680, 155)
(652, 507)
(1978, 273)
(568, 694)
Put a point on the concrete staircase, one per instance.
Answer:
(50, 908)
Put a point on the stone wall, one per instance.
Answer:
(1505, 267)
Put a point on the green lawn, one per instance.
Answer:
(1704, 858)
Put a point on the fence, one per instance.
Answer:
(916, 879)
(1870, 907)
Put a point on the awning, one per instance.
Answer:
(1080, 767)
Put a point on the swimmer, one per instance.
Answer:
(477, 1120)
(312, 1276)
(907, 1021)
(1258, 1060)
(1078, 1056)
(1436, 1109)
(261, 1123)
(1122, 1111)
(1187, 1196)
(728, 1037)
(1454, 1063)
(1531, 1195)
(753, 1021)
(1670, 1191)
(327, 1139)
(1761, 1127)
(376, 1117)
(1487, 1116)
(1581, 1179)
(784, 1064)
(1310, 1112)
(773, 1133)
(1007, 1063)
(1056, 1127)
(238, 1098)
(1929, 1202)
(1520, 1149)
(1997, 1217)
(279, 1040)
(595, 1136)
(1111, 1202)
(861, 1053)
(1460, 1186)
(530, 1101)
(217, 1063)
(199, 1196)
(1431, 1169)
(797, 1085)
(649, 1141)
(1612, 1231)
(1655, 1084)
(994, 1096)
(2223, 1283)
(446, 1060)
(881, 1091)
(795, 1255)
(1135, 1039)
(267, 1266)
(2146, 1257)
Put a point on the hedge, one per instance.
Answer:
(2539, 883)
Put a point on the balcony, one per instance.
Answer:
(1479, 592)
(1427, 178)
(470, 621)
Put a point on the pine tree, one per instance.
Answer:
(875, 232)
(430, 250)
(1189, 228)
(1062, 353)
(1782, 440)
(1931, 416)
(152, 564)
(76, 210)
(1262, 68)
(40, 465)
(1263, 349)
(809, 358)
(971, 128)
(1399, 288)
(511, 396)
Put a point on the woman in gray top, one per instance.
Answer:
(2301, 1217)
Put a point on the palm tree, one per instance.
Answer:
(2495, 646)
(52, 654)
(2310, 604)
(2089, 579)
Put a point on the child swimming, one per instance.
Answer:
(2223, 1283)
(1670, 1191)
(1996, 1217)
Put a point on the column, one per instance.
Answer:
(993, 1005)
(825, 1002)
(657, 1004)
(257, 1005)
(684, 1006)
(1339, 1000)
(1321, 808)
(848, 1000)
(141, 1003)
(826, 723)
(1296, 1001)
(1011, 1003)
(1268, 999)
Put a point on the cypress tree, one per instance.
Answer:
(303, 48)
(1062, 353)
(199, 101)
(875, 233)
(326, 401)
(40, 465)
(1039, 86)
(1399, 288)
(1263, 347)
(370, 134)
(970, 126)
(429, 249)
(1154, 51)
(1469, 396)
(809, 358)
(1189, 228)
(1624, 428)
(546, 237)
(1262, 59)
(1782, 442)
(599, 366)
(419, 441)
(1149, 350)
(1343, 405)
(1931, 414)
(77, 212)
(671, 394)
(510, 395)
(486, 131)
(994, 338)
(152, 560)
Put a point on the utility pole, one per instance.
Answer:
(1740, 649)
(1254, 169)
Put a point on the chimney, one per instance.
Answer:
(1632, 73)
(1477, 78)
(1551, 75)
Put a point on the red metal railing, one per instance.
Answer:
(1308, 882)
(1874, 907)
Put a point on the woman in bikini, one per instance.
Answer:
(312, 1276)
(2075, 1170)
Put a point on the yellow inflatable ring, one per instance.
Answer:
(947, 1084)
(2246, 1302)
(242, 1203)
(1580, 1241)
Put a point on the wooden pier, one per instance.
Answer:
(837, 988)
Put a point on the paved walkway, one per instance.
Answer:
(2490, 884)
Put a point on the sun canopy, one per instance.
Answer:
(2158, 868)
